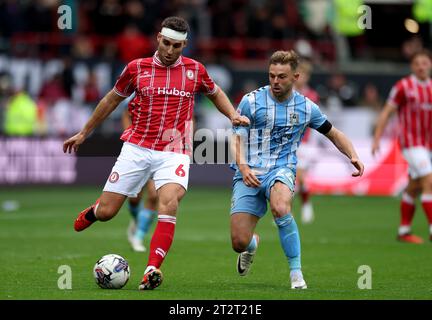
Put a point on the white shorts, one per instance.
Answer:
(306, 155)
(419, 161)
(135, 165)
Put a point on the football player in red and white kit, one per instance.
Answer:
(307, 152)
(158, 142)
(411, 98)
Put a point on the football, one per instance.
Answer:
(111, 272)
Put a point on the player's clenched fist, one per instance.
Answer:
(239, 120)
(73, 143)
(359, 166)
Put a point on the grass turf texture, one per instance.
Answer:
(348, 232)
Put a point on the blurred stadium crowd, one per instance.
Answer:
(51, 79)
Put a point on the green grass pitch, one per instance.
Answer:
(348, 232)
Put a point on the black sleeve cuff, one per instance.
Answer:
(325, 127)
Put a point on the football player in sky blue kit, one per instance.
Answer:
(265, 161)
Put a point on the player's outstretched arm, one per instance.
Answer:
(224, 105)
(340, 140)
(383, 118)
(102, 111)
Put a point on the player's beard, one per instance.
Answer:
(281, 93)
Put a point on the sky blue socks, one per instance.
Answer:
(290, 240)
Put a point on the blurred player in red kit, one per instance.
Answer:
(306, 152)
(157, 143)
(411, 98)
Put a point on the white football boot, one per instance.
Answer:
(245, 259)
(137, 245)
(297, 281)
(307, 213)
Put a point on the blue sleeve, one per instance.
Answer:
(244, 110)
(317, 117)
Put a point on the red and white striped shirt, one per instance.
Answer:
(413, 98)
(162, 109)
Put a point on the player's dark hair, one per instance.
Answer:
(285, 57)
(175, 23)
(423, 52)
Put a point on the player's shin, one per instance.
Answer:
(253, 244)
(134, 209)
(144, 220)
(161, 240)
(290, 240)
(407, 209)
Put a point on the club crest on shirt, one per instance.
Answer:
(190, 74)
(114, 177)
(294, 118)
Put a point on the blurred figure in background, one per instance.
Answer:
(91, 90)
(411, 97)
(305, 153)
(20, 115)
(132, 44)
(61, 115)
(142, 215)
(411, 46)
(371, 98)
(5, 93)
(53, 90)
(341, 93)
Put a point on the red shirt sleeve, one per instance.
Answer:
(397, 95)
(206, 83)
(125, 84)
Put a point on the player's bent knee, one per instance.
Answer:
(279, 209)
(168, 206)
(239, 244)
(426, 184)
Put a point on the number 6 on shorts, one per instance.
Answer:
(179, 171)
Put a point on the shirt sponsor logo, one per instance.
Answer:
(148, 91)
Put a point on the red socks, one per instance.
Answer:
(304, 194)
(161, 240)
(426, 200)
(407, 209)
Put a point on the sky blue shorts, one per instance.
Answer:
(254, 200)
